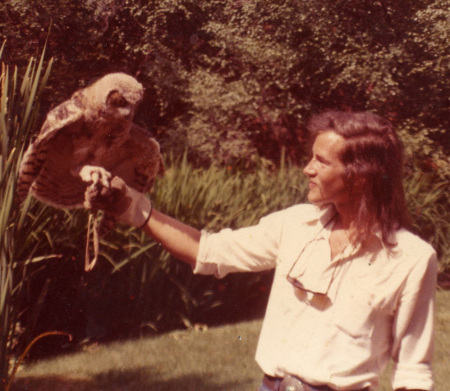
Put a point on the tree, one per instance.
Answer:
(231, 80)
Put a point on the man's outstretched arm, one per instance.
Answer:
(180, 239)
(133, 208)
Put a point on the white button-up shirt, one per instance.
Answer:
(347, 316)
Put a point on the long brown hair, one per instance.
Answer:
(373, 160)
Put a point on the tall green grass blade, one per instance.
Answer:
(3, 113)
(1, 49)
(36, 80)
(19, 251)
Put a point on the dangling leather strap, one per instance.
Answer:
(92, 221)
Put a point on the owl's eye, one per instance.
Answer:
(120, 102)
(117, 100)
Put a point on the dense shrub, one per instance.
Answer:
(229, 79)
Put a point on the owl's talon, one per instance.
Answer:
(96, 176)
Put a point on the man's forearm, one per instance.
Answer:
(181, 240)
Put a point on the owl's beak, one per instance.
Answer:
(127, 113)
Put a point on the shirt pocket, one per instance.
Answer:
(355, 313)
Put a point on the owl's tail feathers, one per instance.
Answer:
(23, 186)
(30, 166)
(22, 192)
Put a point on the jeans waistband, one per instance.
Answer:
(291, 383)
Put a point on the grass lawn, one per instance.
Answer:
(219, 359)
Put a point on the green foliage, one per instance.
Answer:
(19, 228)
(423, 153)
(232, 79)
(221, 197)
(429, 207)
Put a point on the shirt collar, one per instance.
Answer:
(326, 214)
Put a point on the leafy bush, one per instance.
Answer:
(228, 79)
(429, 207)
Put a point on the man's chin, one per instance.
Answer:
(315, 201)
(319, 203)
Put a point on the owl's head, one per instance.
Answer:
(114, 96)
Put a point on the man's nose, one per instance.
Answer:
(309, 169)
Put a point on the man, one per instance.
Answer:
(352, 287)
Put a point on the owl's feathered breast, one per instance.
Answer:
(136, 159)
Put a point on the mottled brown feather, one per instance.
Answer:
(91, 128)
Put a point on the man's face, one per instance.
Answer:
(326, 172)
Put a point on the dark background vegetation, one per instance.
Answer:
(231, 78)
(230, 83)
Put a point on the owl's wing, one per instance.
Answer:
(143, 161)
(63, 116)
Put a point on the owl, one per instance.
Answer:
(87, 140)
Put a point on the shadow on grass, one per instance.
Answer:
(138, 380)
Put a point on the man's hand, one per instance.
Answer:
(129, 206)
(134, 209)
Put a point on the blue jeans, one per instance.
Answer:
(263, 387)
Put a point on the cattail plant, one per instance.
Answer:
(19, 224)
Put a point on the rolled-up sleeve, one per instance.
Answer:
(413, 330)
(247, 249)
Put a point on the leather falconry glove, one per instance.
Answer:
(126, 204)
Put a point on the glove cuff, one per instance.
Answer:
(139, 211)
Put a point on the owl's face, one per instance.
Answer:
(114, 97)
(118, 107)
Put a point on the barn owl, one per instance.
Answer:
(87, 140)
